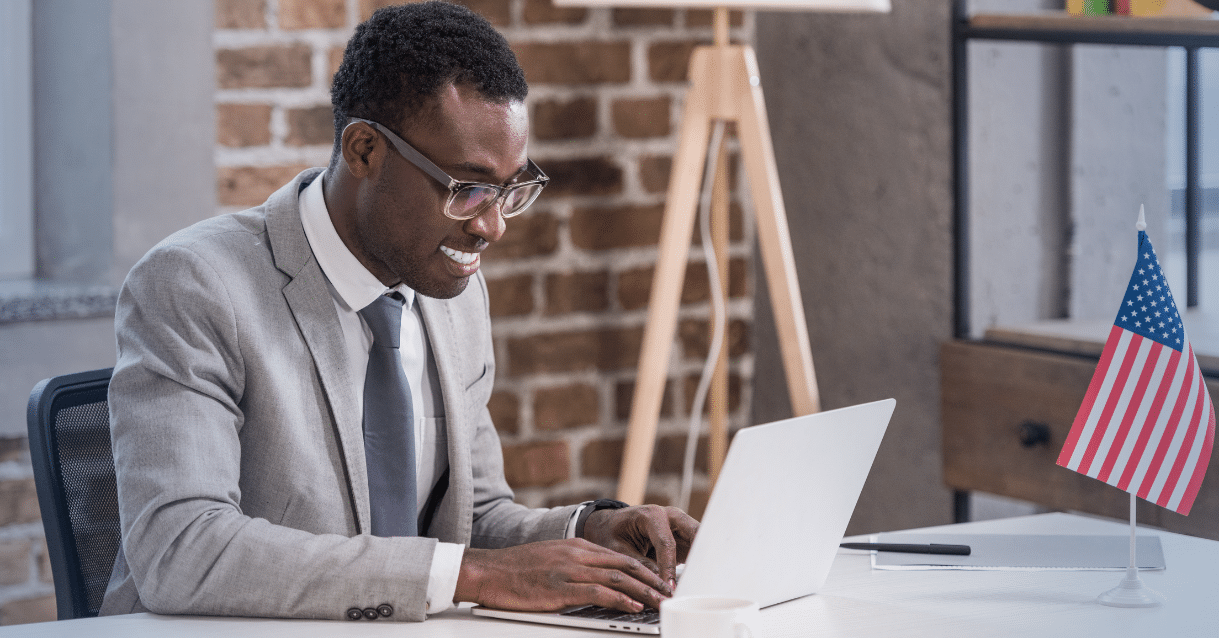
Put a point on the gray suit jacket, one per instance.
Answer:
(237, 434)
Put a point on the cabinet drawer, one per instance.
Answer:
(994, 396)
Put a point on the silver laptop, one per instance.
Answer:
(774, 521)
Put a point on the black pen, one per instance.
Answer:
(910, 548)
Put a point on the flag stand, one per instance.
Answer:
(1131, 592)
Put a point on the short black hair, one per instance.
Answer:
(403, 55)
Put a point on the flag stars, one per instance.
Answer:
(1138, 324)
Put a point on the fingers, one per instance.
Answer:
(608, 562)
(655, 524)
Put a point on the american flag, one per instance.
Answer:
(1147, 424)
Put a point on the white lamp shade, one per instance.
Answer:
(766, 5)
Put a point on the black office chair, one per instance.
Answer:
(69, 424)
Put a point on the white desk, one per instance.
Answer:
(856, 602)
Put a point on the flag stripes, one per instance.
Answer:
(1146, 403)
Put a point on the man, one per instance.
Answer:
(256, 474)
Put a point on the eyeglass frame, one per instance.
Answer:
(410, 154)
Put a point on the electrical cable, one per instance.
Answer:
(719, 316)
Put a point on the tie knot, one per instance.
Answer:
(384, 319)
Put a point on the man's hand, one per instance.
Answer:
(659, 537)
(551, 575)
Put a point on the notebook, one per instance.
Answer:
(774, 520)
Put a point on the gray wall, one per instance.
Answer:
(125, 128)
(860, 109)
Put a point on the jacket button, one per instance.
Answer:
(354, 613)
(385, 610)
(370, 613)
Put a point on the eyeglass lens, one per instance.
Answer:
(471, 200)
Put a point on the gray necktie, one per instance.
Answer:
(389, 424)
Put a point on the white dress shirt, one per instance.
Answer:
(353, 287)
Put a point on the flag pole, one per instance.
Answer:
(1131, 592)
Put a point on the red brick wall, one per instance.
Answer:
(570, 280)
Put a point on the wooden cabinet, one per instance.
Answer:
(996, 398)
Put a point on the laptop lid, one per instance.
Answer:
(782, 503)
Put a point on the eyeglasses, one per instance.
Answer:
(468, 199)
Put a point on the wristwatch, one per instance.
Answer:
(589, 508)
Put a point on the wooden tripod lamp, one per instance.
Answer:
(724, 85)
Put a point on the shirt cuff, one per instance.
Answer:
(442, 581)
(575, 518)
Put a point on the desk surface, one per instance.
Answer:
(855, 602)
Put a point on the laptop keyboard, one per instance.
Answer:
(645, 617)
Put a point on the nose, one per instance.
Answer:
(489, 224)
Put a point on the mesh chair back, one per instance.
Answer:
(69, 427)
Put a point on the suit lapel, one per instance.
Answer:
(312, 308)
(459, 501)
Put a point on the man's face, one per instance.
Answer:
(401, 232)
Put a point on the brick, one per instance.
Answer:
(310, 126)
(624, 395)
(241, 14)
(334, 58)
(598, 349)
(511, 295)
(14, 562)
(654, 172)
(530, 234)
(250, 185)
(649, 117)
(669, 61)
(695, 338)
(690, 383)
(20, 612)
(669, 455)
(583, 176)
(18, 502)
(601, 458)
(641, 17)
(616, 227)
(544, 12)
(312, 14)
(704, 18)
(240, 125)
(566, 407)
(497, 12)
(565, 119)
(368, 7)
(264, 67)
(635, 285)
(586, 62)
(537, 464)
(505, 409)
(577, 292)
(14, 448)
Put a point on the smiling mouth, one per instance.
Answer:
(464, 259)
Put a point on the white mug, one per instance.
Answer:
(708, 617)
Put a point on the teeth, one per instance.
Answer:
(464, 259)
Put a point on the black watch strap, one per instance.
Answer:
(599, 504)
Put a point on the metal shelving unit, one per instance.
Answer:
(1063, 29)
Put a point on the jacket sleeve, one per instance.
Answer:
(176, 423)
(498, 520)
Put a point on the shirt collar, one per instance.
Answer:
(350, 282)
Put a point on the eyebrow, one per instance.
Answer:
(479, 169)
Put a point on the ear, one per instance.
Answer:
(363, 150)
